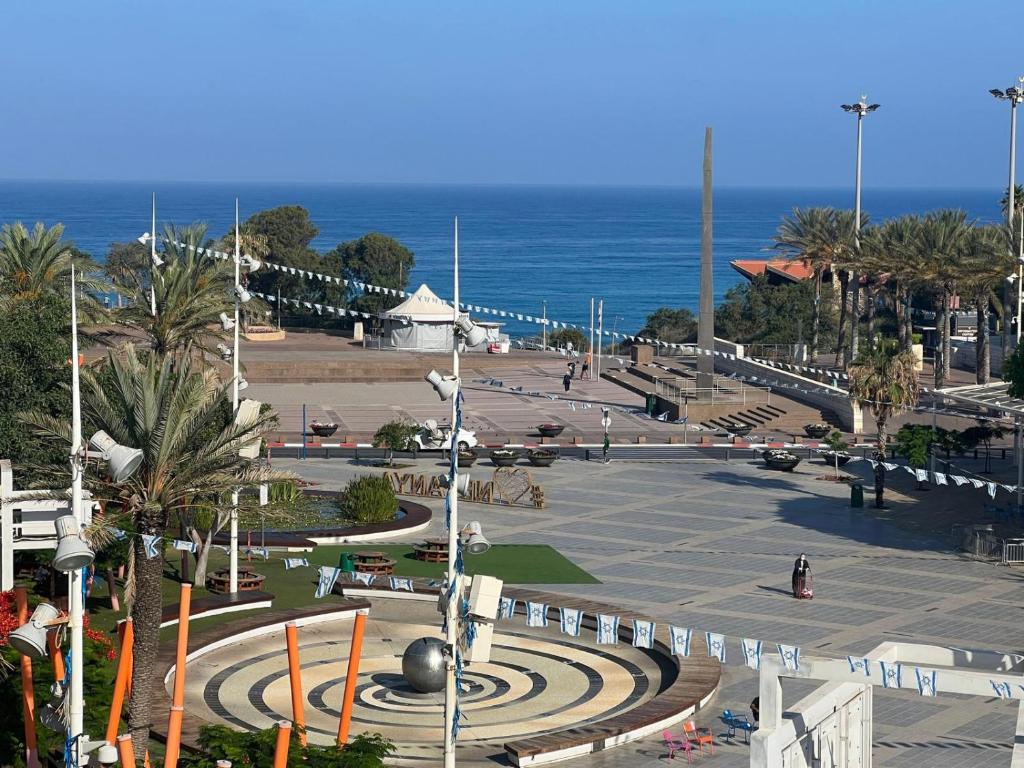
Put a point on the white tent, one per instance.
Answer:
(422, 322)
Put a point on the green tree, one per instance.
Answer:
(915, 441)
(884, 379)
(758, 312)
(146, 403)
(983, 434)
(394, 436)
(369, 499)
(128, 264)
(565, 336)
(1013, 373)
(675, 326)
(376, 259)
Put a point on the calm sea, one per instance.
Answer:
(637, 248)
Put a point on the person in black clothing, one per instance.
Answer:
(567, 381)
(755, 709)
(800, 570)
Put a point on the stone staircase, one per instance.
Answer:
(782, 418)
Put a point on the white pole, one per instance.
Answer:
(600, 337)
(76, 708)
(591, 350)
(152, 263)
(1011, 200)
(854, 319)
(233, 577)
(452, 612)
(544, 329)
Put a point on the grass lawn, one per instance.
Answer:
(513, 563)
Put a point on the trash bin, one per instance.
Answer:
(347, 562)
(856, 495)
(652, 403)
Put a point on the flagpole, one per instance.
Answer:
(600, 336)
(152, 263)
(233, 555)
(76, 707)
(452, 608)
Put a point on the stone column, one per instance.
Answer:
(706, 319)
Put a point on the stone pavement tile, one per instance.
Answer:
(805, 610)
(752, 627)
(992, 611)
(685, 577)
(965, 633)
(838, 592)
(903, 709)
(923, 582)
(996, 725)
(618, 533)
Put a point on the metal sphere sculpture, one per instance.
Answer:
(423, 665)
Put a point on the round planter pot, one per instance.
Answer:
(542, 461)
(503, 460)
(831, 459)
(740, 430)
(785, 465)
(550, 430)
(467, 459)
(817, 434)
(324, 430)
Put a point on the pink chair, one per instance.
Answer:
(677, 745)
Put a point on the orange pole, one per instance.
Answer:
(55, 656)
(291, 635)
(121, 681)
(284, 733)
(125, 751)
(351, 677)
(28, 695)
(121, 625)
(178, 692)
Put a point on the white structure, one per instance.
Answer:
(831, 728)
(423, 322)
(27, 522)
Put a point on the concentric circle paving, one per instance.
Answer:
(537, 681)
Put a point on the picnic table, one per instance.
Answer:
(248, 580)
(377, 563)
(432, 550)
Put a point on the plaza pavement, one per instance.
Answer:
(710, 544)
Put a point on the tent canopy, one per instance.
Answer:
(422, 307)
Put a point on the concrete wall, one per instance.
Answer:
(964, 354)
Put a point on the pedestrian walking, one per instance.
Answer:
(585, 370)
(801, 568)
(604, 447)
(567, 381)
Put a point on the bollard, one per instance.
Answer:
(284, 732)
(857, 496)
(351, 678)
(291, 634)
(28, 702)
(125, 751)
(124, 662)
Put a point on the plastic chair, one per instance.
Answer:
(677, 745)
(698, 736)
(737, 722)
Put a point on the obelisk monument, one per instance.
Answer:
(706, 318)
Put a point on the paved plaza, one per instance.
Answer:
(710, 544)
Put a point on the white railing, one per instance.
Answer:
(1013, 552)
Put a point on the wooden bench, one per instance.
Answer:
(432, 551)
(248, 581)
(216, 604)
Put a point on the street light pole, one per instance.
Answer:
(544, 329)
(1014, 95)
(152, 263)
(76, 606)
(233, 555)
(861, 108)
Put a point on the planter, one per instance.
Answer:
(740, 430)
(504, 458)
(550, 430)
(781, 460)
(833, 459)
(467, 458)
(542, 458)
(323, 430)
(817, 431)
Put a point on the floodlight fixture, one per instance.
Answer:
(251, 263)
(226, 322)
(242, 384)
(123, 461)
(461, 484)
(242, 295)
(471, 332)
(145, 238)
(225, 351)
(72, 550)
(997, 93)
(473, 539)
(30, 638)
(157, 261)
(445, 386)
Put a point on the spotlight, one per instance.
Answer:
(123, 460)
(157, 261)
(226, 322)
(243, 295)
(445, 386)
(225, 351)
(462, 484)
(242, 384)
(250, 263)
(471, 332)
(144, 239)
(72, 551)
(473, 540)
(30, 638)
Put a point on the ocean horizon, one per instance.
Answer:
(637, 247)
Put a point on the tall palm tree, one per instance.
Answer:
(986, 263)
(846, 259)
(884, 379)
(140, 400)
(37, 261)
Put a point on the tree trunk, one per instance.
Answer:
(941, 328)
(869, 299)
(115, 603)
(880, 456)
(203, 547)
(983, 349)
(908, 318)
(947, 346)
(854, 315)
(844, 300)
(146, 617)
(901, 328)
(816, 315)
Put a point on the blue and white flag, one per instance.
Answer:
(925, 681)
(117, 533)
(295, 562)
(892, 674)
(679, 638)
(399, 583)
(185, 546)
(991, 489)
(1003, 690)
(536, 614)
(151, 544)
(572, 620)
(643, 633)
(325, 580)
(506, 608)
(258, 552)
(716, 645)
(751, 652)
(859, 665)
(363, 578)
(607, 629)
(940, 478)
(790, 656)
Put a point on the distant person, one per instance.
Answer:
(800, 570)
(755, 709)
(585, 370)
(567, 381)
(572, 369)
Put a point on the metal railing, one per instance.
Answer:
(1013, 552)
(680, 391)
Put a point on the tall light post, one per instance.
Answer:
(76, 600)
(1014, 95)
(861, 108)
(233, 555)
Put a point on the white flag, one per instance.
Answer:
(572, 618)
(185, 546)
(991, 489)
(536, 614)
(751, 653)
(860, 665)
(150, 543)
(643, 633)
(506, 608)
(401, 583)
(959, 480)
(295, 562)
(679, 638)
(940, 479)
(607, 629)
(716, 645)
(925, 681)
(790, 656)
(892, 674)
(1003, 690)
(363, 578)
(325, 580)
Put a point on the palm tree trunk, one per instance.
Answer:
(947, 345)
(854, 315)
(908, 318)
(816, 315)
(880, 456)
(869, 299)
(983, 351)
(145, 613)
(844, 300)
(941, 326)
(202, 555)
(901, 328)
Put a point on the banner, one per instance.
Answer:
(571, 621)
(325, 580)
(643, 633)
(536, 614)
(679, 638)
(607, 629)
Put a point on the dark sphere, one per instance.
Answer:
(423, 665)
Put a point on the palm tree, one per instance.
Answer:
(39, 261)
(986, 263)
(884, 379)
(140, 400)
(845, 257)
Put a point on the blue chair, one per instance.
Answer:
(735, 723)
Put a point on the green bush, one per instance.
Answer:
(369, 499)
(564, 336)
(256, 750)
(395, 436)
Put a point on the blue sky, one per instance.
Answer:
(574, 92)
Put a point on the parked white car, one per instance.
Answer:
(432, 437)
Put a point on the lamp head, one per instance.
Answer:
(445, 386)
(156, 260)
(225, 351)
(144, 238)
(473, 539)
(242, 384)
(30, 638)
(226, 322)
(251, 263)
(470, 331)
(243, 295)
(72, 551)
(461, 483)
(123, 461)
(997, 93)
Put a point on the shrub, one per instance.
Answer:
(256, 750)
(395, 436)
(369, 499)
(564, 336)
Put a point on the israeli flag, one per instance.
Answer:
(859, 665)
(1003, 690)
(959, 480)
(976, 482)
(1008, 488)
(790, 656)
(751, 653)
(325, 580)
(892, 674)
(363, 578)
(150, 543)
(925, 681)
(117, 533)
(400, 583)
(991, 489)
(716, 645)
(185, 546)
(607, 629)
(572, 619)
(536, 614)
(940, 479)
(679, 638)
(258, 552)
(643, 633)
(889, 467)
(295, 562)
